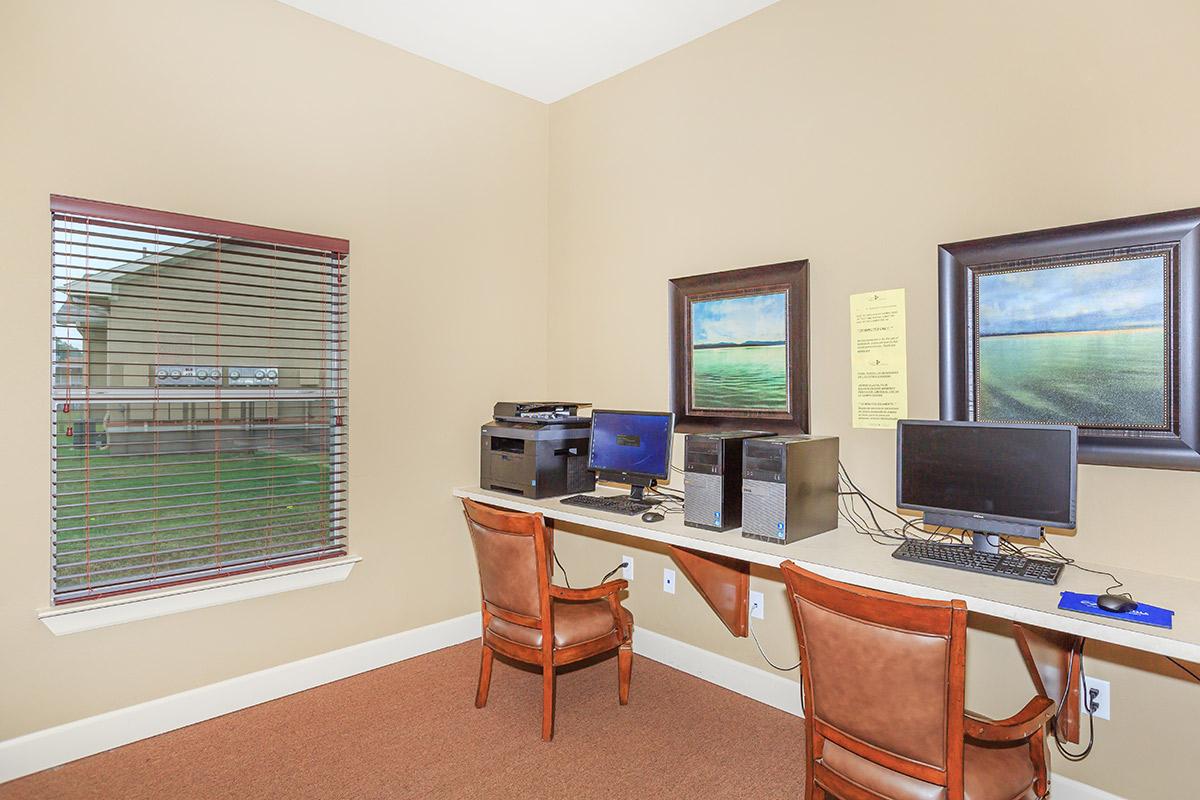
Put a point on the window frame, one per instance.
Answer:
(336, 394)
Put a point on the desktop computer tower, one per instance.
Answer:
(712, 479)
(789, 487)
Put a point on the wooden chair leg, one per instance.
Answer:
(1040, 758)
(811, 790)
(485, 676)
(547, 702)
(624, 670)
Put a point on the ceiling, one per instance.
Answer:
(544, 49)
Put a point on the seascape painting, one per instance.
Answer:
(1078, 344)
(739, 353)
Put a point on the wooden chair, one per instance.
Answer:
(527, 618)
(884, 679)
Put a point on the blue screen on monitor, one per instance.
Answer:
(629, 442)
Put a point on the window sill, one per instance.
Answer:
(119, 610)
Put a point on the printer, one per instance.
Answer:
(536, 450)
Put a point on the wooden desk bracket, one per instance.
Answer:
(1048, 654)
(723, 582)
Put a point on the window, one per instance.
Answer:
(199, 405)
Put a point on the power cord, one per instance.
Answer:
(564, 569)
(1185, 669)
(614, 571)
(849, 492)
(665, 492)
(1087, 702)
(868, 500)
(758, 644)
(1048, 552)
(671, 502)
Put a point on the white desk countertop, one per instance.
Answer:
(843, 554)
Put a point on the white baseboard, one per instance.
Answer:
(1063, 788)
(51, 747)
(58, 745)
(774, 690)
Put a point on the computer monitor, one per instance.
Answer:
(988, 478)
(631, 447)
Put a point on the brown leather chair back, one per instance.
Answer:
(883, 675)
(512, 550)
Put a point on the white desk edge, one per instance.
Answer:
(1138, 637)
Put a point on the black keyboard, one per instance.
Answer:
(620, 504)
(964, 557)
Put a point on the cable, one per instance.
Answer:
(1185, 669)
(846, 475)
(564, 569)
(669, 501)
(613, 571)
(850, 514)
(761, 652)
(863, 495)
(668, 496)
(1116, 582)
(873, 529)
(1087, 703)
(1047, 551)
(936, 532)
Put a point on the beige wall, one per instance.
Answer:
(256, 112)
(859, 135)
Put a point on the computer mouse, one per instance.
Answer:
(1117, 603)
(653, 516)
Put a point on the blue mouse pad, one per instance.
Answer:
(1145, 614)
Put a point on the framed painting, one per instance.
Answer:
(1090, 325)
(739, 349)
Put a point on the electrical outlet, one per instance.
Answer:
(756, 605)
(669, 581)
(1095, 691)
(627, 570)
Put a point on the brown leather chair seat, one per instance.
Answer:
(574, 623)
(992, 773)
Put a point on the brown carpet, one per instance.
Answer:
(411, 730)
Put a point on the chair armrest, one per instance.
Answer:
(1025, 723)
(607, 591)
(593, 593)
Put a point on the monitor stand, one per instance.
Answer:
(638, 491)
(990, 542)
(985, 542)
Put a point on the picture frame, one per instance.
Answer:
(739, 349)
(1096, 325)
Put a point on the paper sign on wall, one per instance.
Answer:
(878, 358)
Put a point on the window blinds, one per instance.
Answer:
(199, 404)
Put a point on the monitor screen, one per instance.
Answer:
(631, 442)
(1022, 473)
